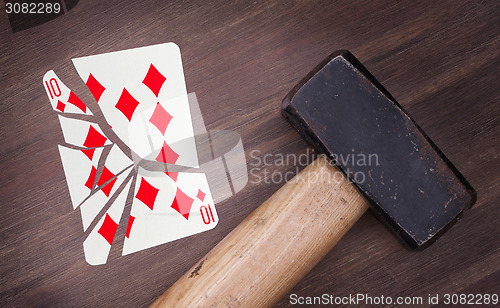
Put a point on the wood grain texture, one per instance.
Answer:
(440, 60)
(276, 246)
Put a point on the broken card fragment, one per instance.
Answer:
(82, 133)
(164, 210)
(61, 97)
(98, 244)
(80, 169)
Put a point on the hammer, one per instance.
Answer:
(341, 110)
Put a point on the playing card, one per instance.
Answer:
(165, 210)
(80, 168)
(98, 244)
(142, 94)
(61, 97)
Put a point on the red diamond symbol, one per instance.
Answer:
(167, 155)
(129, 225)
(154, 80)
(160, 118)
(147, 193)
(95, 87)
(73, 99)
(200, 195)
(108, 229)
(90, 181)
(60, 106)
(94, 138)
(89, 153)
(182, 203)
(127, 104)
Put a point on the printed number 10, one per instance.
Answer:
(206, 214)
(53, 82)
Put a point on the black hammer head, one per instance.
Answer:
(342, 110)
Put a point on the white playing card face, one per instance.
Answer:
(80, 168)
(142, 94)
(61, 97)
(168, 207)
(98, 244)
(96, 202)
(82, 133)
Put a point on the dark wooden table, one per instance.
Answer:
(440, 60)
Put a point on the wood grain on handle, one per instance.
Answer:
(278, 244)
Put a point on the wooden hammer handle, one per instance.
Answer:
(276, 246)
